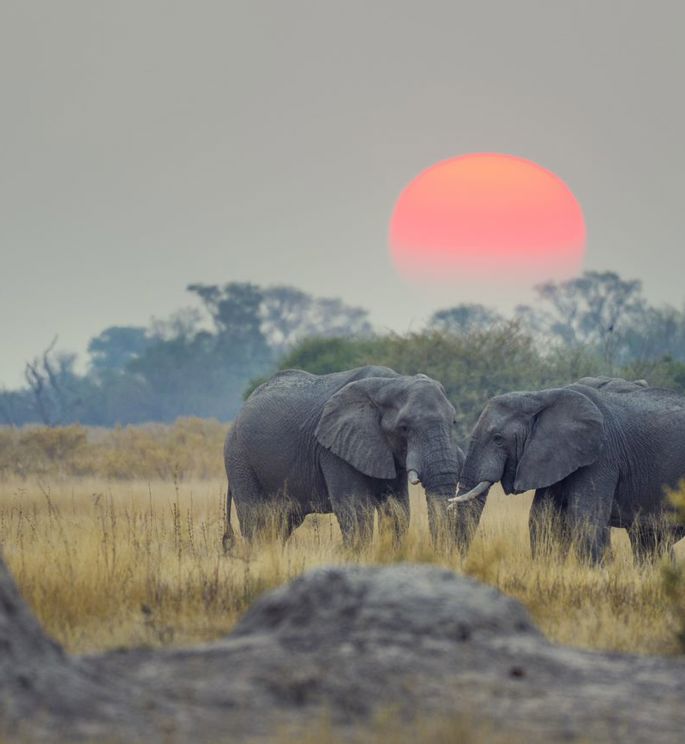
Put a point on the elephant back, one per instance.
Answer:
(293, 380)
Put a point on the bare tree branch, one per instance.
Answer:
(36, 379)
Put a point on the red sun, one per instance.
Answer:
(487, 217)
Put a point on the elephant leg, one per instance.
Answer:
(590, 496)
(393, 515)
(228, 540)
(293, 519)
(593, 543)
(437, 521)
(651, 540)
(251, 505)
(547, 524)
(253, 525)
(352, 498)
(460, 524)
(355, 517)
(538, 519)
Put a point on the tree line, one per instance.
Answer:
(201, 362)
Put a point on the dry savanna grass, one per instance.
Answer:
(189, 448)
(113, 563)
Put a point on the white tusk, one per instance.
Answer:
(474, 493)
(413, 477)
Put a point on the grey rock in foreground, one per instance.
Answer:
(347, 643)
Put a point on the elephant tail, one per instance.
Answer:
(229, 535)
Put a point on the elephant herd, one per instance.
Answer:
(598, 453)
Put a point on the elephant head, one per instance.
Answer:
(384, 426)
(531, 440)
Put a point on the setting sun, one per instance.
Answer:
(487, 216)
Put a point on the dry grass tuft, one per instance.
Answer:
(673, 575)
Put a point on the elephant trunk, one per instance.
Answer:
(440, 479)
(434, 460)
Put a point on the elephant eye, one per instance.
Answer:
(498, 439)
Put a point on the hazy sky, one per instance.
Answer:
(150, 144)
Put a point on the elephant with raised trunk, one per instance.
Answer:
(345, 443)
(598, 453)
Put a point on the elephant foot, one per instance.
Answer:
(228, 542)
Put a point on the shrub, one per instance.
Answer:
(190, 447)
(472, 366)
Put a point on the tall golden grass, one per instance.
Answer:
(109, 563)
(189, 448)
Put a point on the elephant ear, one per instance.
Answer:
(350, 428)
(567, 434)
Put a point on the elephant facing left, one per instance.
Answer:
(345, 443)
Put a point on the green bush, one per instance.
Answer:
(473, 366)
(664, 372)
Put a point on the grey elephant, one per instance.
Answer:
(598, 453)
(344, 443)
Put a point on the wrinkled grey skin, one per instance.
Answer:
(598, 454)
(340, 443)
(613, 384)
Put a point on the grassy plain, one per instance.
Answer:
(109, 563)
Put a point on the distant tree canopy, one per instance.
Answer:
(116, 346)
(465, 318)
(609, 316)
(201, 362)
(472, 367)
(195, 363)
